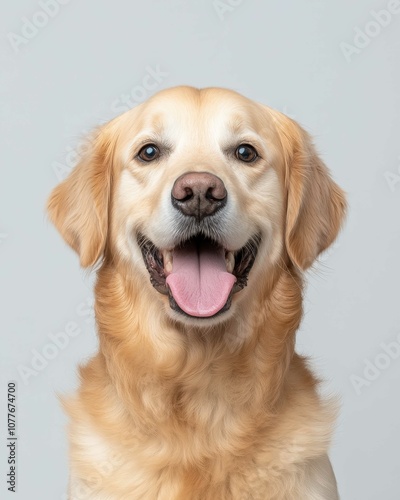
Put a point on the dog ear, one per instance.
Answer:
(316, 205)
(78, 207)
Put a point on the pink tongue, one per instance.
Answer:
(199, 281)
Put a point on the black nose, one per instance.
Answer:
(198, 194)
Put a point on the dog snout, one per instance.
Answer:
(198, 194)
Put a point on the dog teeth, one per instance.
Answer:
(230, 261)
(167, 258)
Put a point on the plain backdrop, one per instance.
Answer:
(334, 66)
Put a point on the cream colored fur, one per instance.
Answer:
(173, 407)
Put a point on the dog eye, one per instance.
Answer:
(246, 153)
(149, 152)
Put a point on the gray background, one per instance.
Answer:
(73, 73)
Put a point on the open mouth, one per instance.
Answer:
(199, 275)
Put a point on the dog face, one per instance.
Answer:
(201, 193)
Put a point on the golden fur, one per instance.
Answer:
(219, 409)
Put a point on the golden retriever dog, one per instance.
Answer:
(201, 210)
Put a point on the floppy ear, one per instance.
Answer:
(316, 205)
(78, 207)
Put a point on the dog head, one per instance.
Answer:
(201, 193)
